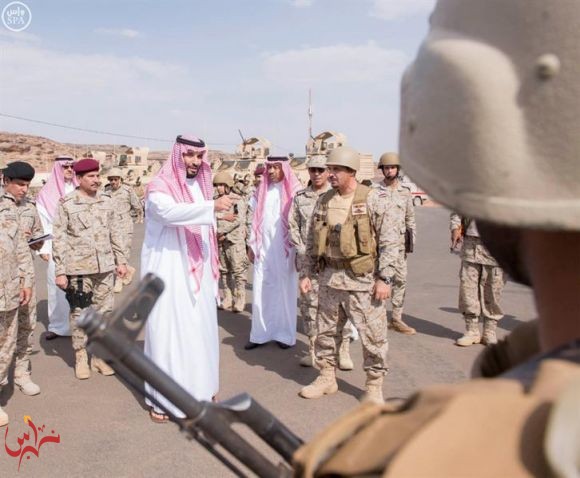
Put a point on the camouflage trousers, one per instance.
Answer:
(8, 336)
(308, 306)
(101, 286)
(399, 283)
(233, 271)
(26, 326)
(368, 316)
(127, 235)
(480, 289)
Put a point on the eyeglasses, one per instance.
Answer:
(67, 166)
(316, 170)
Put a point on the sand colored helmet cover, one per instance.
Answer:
(490, 111)
(389, 159)
(344, 156)
(115, 173)
(317, 161)
(223, 177)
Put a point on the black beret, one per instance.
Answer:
(19, 170)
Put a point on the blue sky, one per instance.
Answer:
(159, 68)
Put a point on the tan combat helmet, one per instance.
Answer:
(318, 161)
(389, 159)
(115, 173)
(490, 112)
(223, 177)
(344, 156)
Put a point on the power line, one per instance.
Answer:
(94, 131)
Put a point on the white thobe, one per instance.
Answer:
(58, 307)
(181, 334)
(275, 287)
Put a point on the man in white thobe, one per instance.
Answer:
(275, 291)
(180, 247)
(62, 181)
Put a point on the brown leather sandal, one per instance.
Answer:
(158, 417)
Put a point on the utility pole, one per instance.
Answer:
(310, 113)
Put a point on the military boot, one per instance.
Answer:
(23, 381)
(118, 287)
(325, 384)
(239, 301)
(130, 274)
(3, 418)
(373, 390)
(472, 335)
(309, 359)
(226, 299)
(99, 365)
(489, 336)
(344, 360)
(82, 370)
(398, 325)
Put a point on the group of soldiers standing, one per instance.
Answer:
(90, 245)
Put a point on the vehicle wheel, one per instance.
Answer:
(417, 201)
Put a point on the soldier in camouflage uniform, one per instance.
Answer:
(31, 228)
(481, 283)
(16, 272)
(355, 244)
(231, 237)
(125, 201)
(87, 249)
(400, 205)
(299, 226)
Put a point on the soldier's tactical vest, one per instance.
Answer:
(350, 245)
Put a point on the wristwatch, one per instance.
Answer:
(386, 280)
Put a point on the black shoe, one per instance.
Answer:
(51, 336)
(283, 346)
(251, 345)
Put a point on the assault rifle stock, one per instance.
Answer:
(113, 338)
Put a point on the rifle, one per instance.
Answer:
(112, 338)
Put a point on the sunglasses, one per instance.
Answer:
(316, 170)
(67, 166)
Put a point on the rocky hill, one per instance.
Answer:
(40, 151)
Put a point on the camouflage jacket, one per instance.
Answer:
(17, 270)
(472, 249)
(125, 200)
(234, 231)
(400, 204)
(387, 240)
(300, 221)
(87, 235)
(30, 223)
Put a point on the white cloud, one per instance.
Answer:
(120, 32)
(301, 3)
(335, 64)
(394, 9)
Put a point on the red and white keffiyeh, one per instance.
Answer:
(171, 180)
(54, 189)
(290, 186)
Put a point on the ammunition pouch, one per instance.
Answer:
(75, 296)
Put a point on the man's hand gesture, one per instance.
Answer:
(223, 203)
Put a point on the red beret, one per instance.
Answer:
(86, 165)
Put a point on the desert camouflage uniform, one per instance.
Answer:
(481, 279)
(125, 200)
(88, 242)
(400, 206)
(30, 227)
(16, 272)
(232, 254)
(344, 295)
(299, 226)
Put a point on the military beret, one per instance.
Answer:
(19, 170)
(86, 165)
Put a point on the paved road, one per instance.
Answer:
(105, 430)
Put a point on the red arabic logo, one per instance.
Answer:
(30, 449)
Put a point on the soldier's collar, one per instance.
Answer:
(7, 195)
